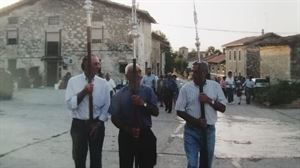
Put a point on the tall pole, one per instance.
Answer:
(204, 150)
(88, 6)
(134, 35)
(197, 36)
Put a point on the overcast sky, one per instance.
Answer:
(220, 21)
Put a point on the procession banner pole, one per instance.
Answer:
(134, 35)
(89, 11)
(204, 150)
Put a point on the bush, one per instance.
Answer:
(282, 93)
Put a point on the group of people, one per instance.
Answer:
(165, 88)
(231, 85)
(131, 109)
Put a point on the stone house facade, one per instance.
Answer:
(159, 47)
(184, 51)
(216, 65)
(242, 56)
(47, 38)
(280, 59)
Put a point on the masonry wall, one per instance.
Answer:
(33, 24)
(295, 60)
(239, 65)
(275, 62)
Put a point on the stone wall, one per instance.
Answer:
(33, 23)
(295, 61)
(155, 56)
(275, 62)
(253, 62)
(236, 65)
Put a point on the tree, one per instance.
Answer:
(161, 34)
(212, 51)
(169, 62)
(180, 63)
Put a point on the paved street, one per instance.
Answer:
(34, 133)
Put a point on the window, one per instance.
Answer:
(146, 65)
(52, 44)
(12, 37)
(13, 20)
(97, 17)
(97, 31)
(53, 20)
(229, 55)
(234, 55)
(122, 67)
(239, 55)
(97, 35)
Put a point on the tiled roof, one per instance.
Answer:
(216, 59)
(240, 42)
(252, 40)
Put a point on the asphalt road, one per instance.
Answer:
(34, 133)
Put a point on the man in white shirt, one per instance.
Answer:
(111, 83)
(88, 134)
(230, 85)
(149, 79)
(188, 108)
(249, 88)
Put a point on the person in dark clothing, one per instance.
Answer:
(170, 89)
(65, 80)
(131, 110)
(160, 91)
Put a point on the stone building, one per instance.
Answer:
(216, 65)
(184, 51)
(242, 56)
(280, 58)
(47, 38)
(159, 47)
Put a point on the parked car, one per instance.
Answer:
(6, 85)
(260, 82)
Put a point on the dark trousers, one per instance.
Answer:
(169, 100)
(82, 142)
(229, 92)
(142, 149)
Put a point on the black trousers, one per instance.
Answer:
(82, 142)
(142, 149)
(169, 100)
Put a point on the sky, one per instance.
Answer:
(219, 21)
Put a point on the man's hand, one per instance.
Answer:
(135, 132)
(201, 123)
(94, 126)
(137, 100)
(203, 98)
(89, 88)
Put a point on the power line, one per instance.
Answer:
(221, 30)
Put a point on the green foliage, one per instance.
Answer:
(282, 93)
(180, 64)
(169, 62)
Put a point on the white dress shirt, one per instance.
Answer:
(101, 98)
(188, 100)
(111, 84)
(229, 82)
